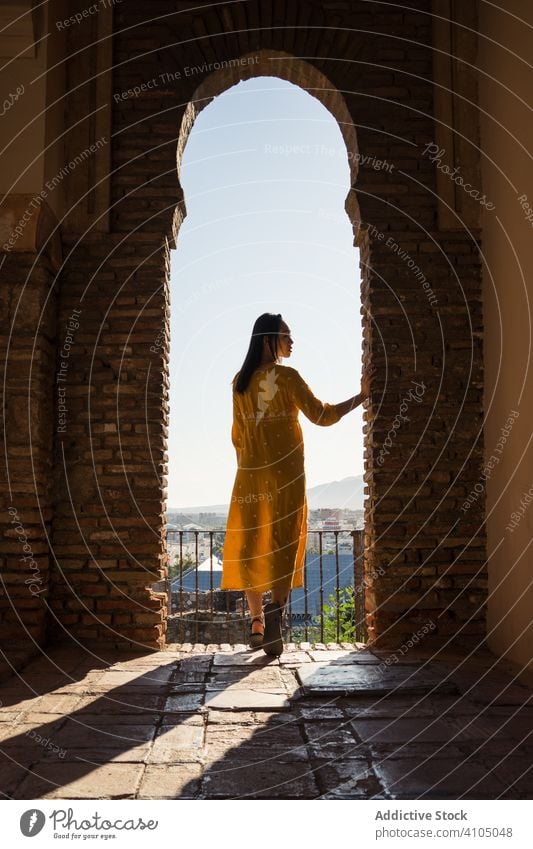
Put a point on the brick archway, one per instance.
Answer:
(276, 63)
(95, 507)
(282, 66)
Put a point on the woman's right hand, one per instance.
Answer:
(368, 373)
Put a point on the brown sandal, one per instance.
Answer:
(256, 639)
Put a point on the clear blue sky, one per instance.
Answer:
(265, 176)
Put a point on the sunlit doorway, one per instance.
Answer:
(265, 174)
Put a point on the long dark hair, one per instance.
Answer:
(268, 324)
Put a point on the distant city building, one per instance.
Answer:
(332, 523)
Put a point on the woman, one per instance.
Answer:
(264, 547)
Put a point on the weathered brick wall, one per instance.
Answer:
(423, 329)
(28, 316)
(424, 558)
(110, 457)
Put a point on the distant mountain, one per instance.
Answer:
(202, 508)
(348, 492)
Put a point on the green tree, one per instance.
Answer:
(218, 544)
(188, 564)
(344, 604)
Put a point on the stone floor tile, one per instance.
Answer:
(239, 698)
(347, 779)
(189, 676)
(171, 781)
(102, 720)
(323, 750)
(361, 678)
(496, 693)
(231, 737)
(18, 700)
(260, 780)
(83, 734)
(514, 772)
(184, 719)
(495, 749)
(195, 664)
(278, 734)
(184, 735)
(29, 728)
(9, 716)
(134, 753)
(454, 704)
(418, 730)
(264, 677)
(159, 672)
(296, 653)
(483, 727)
(387, 706)
(266, 717)
(58, 703)
(41, 684)
(259, 729)
(183, 703)
(174, 744)
(518, 728)
(177, 689)
(414, 655)
(156, 658)
(343, 656)
(225, 738)
(121, 703)
(329, 731)
(381, 752)
(438, 778)
(125, 680)
(12, 774)
(244, 658)
(525, 710)
(318, 712)
(81, 781)
(288, 676)
(224, 717)
(8, 730)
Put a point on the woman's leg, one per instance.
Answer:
(280, 593)
(255, 606)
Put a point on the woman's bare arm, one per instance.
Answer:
(350, 404)
(344, 407)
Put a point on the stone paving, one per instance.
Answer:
(226, 722)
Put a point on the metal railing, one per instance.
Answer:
(329, 608)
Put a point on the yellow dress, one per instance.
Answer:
(266, 528)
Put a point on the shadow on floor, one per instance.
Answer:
(315, 723)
